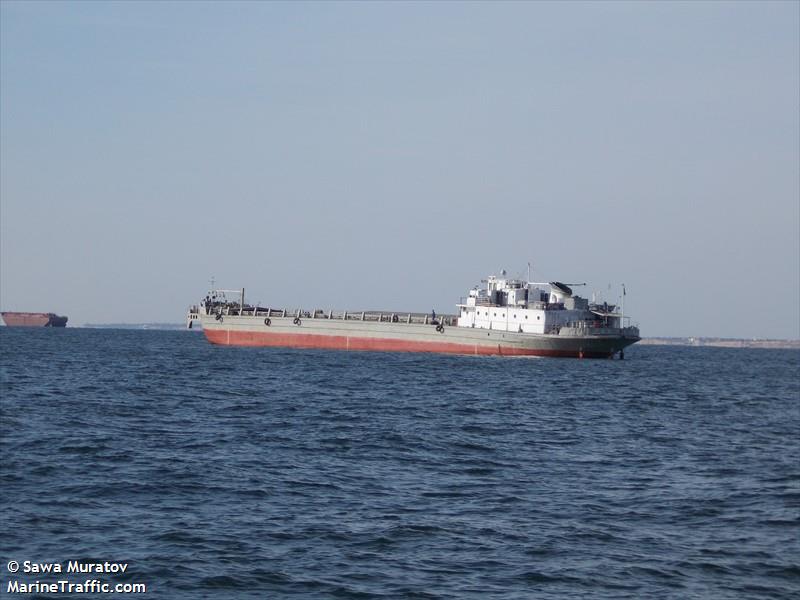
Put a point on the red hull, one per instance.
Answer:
(330, 342)
(25, 319)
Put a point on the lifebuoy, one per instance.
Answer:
(218, 317)
(297, 321)
(440, 328)
(267, 321)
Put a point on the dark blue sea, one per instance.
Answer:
(269, 473)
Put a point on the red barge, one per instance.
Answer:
(31, 319)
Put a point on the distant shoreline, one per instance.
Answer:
(154, 326)
(721, 342)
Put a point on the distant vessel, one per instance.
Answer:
(508, 317)
(29, 319)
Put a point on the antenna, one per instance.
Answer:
(212, 282)
(529, 271)
(622, 313)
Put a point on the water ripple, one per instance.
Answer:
(251, 473)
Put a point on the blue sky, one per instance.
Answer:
(390, 155)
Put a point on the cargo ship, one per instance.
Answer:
(507, 317)
(30, 319)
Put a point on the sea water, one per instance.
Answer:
(216, 472)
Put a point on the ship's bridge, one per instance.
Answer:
(518, 293)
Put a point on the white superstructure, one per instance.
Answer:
(517, 306)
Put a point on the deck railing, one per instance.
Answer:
(366, 315)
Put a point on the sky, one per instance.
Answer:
(368, 155)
